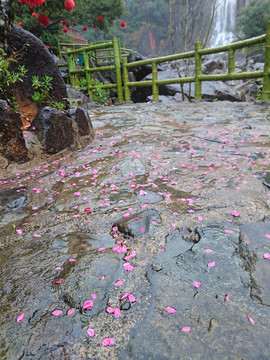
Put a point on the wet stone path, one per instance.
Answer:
(151, 243)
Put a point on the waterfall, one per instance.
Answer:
(224, 22)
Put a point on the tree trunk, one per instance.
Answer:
(6, 20)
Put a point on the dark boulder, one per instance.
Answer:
(12, 144)
(82, 120)
(53, 129)
(56, 130)
(29, 51)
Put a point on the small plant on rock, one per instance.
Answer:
(41, 95)
(8, 79)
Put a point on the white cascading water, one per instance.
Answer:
(224, 22)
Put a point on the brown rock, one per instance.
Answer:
(33, 54)
(12, 144)
(54, 130)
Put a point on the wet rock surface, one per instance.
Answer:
(12, 144)
(155, 235)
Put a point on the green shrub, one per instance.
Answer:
(41, 95)
(8, 79)
(98, 94)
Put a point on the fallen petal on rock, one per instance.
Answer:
(196, 284)
(235, 213)
(251, 320)
(131, 298)
(19, 318)
(186, 329)
(56, 312)
(117, 312)
(211, 264)
(90, 332)
(110, 310)
(88, 305)
(170, 310)
(128, 267)
(119, 283)
(108, 341)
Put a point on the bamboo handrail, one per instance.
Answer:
(198, 77)
(120, 55)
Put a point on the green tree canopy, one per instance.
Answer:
(252, 19)
(86, 13)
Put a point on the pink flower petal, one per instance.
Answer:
(124, 296)
(102, 277)
(119, 283)
(186, 329)
(93, 296)
(88, 305)
(131, 298)
(90, 332)
(251, 320)
(115, 228)
(58, 281)
(266, 256)
(208, 250)
(235, 213)
(229, 231)
(87, 208)
(110, 310)
(36, 235)
(211, 264)
(77, 193)
(200, 218)
(101, 249)
(19, 318)
(117, 312)
(19, 231)
(143, 229)
(72, 260)
(56, 312)
(267, 235)
(170, 310)
(227, 297)
(70, 311)
(128, 267)
(108, 341)
(197, 284)
(58, 268)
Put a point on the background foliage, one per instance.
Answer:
(252, 19)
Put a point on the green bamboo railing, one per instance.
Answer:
(198, 77)
(88, 52)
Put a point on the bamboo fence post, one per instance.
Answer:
(117, 70)
(198, 71)
(70, 68)
(231, 61)
(76, 77)
(266, 76)
(154, 79)
(59, 50)
(87, 75)
(125, 80)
